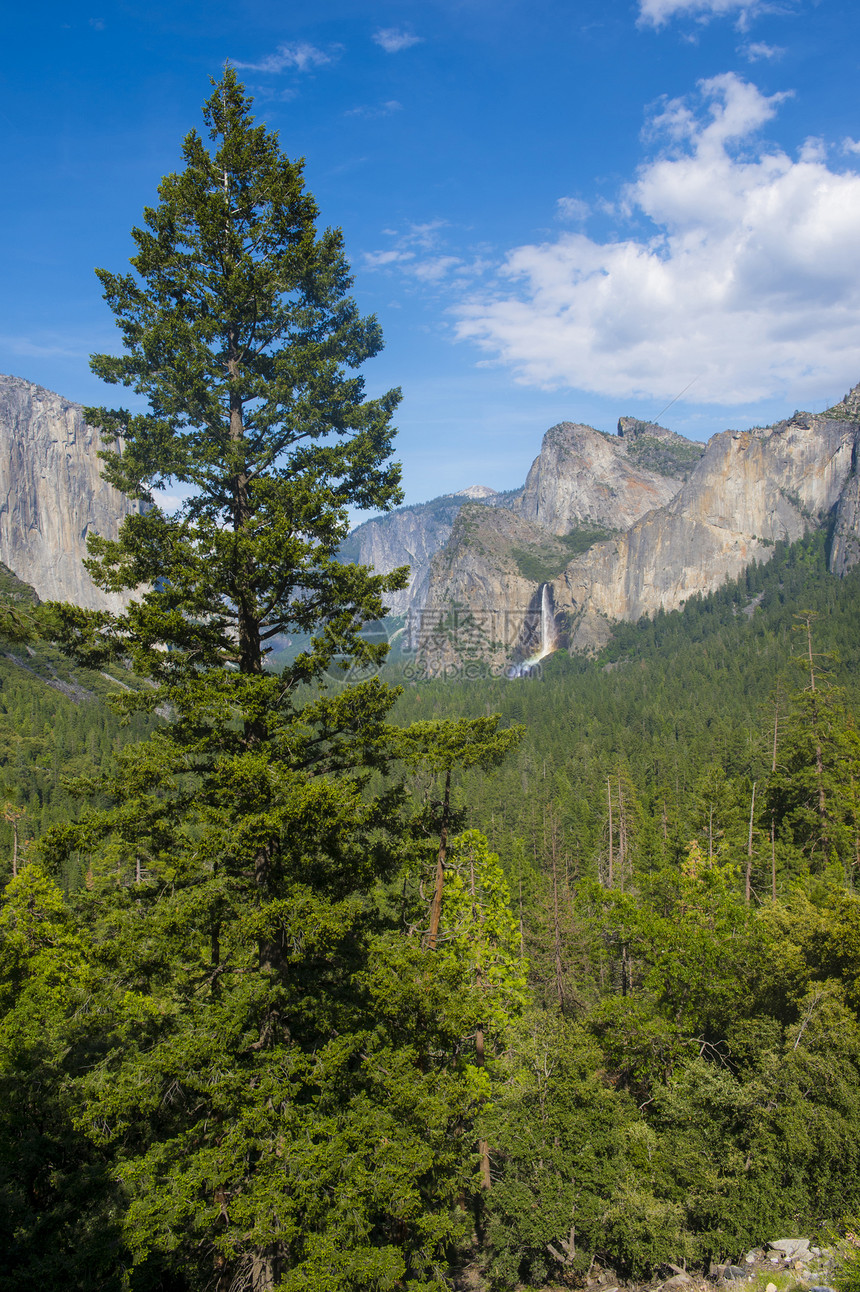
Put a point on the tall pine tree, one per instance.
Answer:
(275, 1117)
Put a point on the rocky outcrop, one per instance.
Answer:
(751, 489)
(52, 494)
(409, 536)
(845, 547)
(658, 449)
(584, 476)
(581, 478)
(482, 608)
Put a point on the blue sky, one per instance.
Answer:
(557, 210)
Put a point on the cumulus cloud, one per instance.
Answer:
(393, 41)
(381, 259)
(658, 12)
(300, 56)
(742, 277)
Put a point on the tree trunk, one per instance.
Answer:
(250, 647)
(559, 975)
(441, 856)
(609, 798)
(265, 1270)
(748, 884)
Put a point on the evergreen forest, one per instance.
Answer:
(317, 977)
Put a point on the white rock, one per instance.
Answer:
(790, 1248)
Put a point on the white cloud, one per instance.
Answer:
(419, 253)
(743, 278)
(393, 41)
(426, 235)
(851, 145)
(757, 51)
(300, 55)
(381, 259)
(433, 268)
(659, 12)
(572, 209)
(376, 111)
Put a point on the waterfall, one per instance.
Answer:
(547, 623)
(547, 643)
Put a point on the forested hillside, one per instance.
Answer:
(682, 708)
(680, 831)
(55, 723)
(670, 1026)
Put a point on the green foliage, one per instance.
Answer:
(846, 1276)
(815, 791)
(668, 457)
(479, 932)
(13, 589)
(542, 564)
(58, 1201)
(55, 723)
(565, 1150)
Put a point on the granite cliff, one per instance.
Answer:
(52, 494)
(584, 475)
(581, 477)
(751, 489)
(409, 536)
(748, 490)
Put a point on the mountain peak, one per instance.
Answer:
(475, 491)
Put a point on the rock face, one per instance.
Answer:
(409, 536)
(52, 494)
(482, 608)
(845, 549)
(582, 475)
(749, 490)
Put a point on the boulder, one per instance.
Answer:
(790, 1248)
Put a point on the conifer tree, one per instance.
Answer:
(239, 332)
(266, 1111)
(813, 787)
